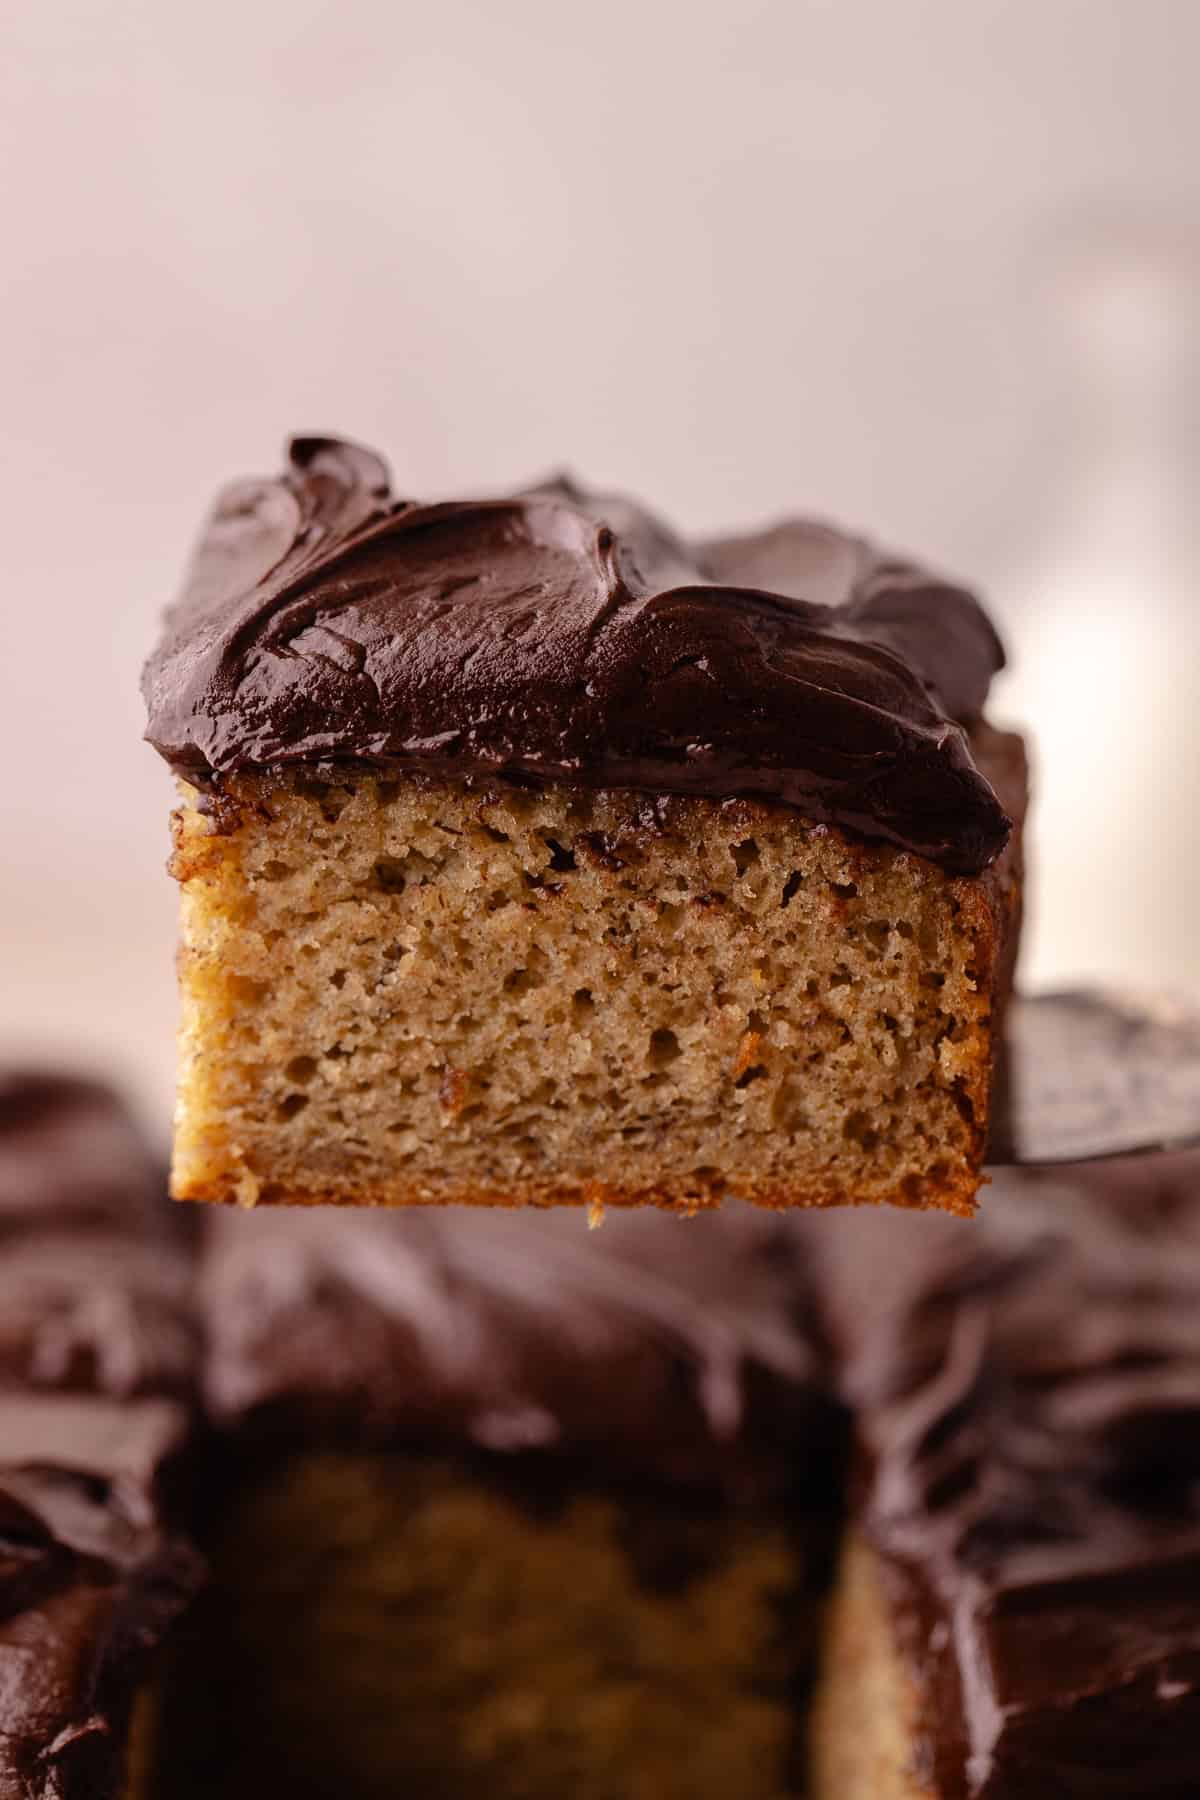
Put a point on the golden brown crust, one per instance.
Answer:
(948, 1194)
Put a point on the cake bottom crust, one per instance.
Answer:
(956, 1192)
(861, 1729)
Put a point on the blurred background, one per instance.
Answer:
(928, 267)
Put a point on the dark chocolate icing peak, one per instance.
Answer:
(557, 636)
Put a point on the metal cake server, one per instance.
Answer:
(1096, 1073)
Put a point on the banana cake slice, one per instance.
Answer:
(531, 854)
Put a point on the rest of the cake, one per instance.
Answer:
(498, 1506)
(532, 855)
(1017, 1610)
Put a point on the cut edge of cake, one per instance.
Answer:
(402, 991)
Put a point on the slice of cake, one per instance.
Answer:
(98, 1362)
(1017, 1610)
(518, 1511)
(532, 855)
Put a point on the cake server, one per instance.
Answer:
(1096, 1073)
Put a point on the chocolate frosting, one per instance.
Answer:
(558, 636)
(669, 1348)
(95, 1308)
(1028, 1396)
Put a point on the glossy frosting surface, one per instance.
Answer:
(560, 636)
(1028, 1393)
(672, 1348)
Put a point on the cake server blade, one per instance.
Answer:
(1093, 1073)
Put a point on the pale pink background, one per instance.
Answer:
(739, 257)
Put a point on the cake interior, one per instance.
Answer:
(381, 1624)
(401, 992)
